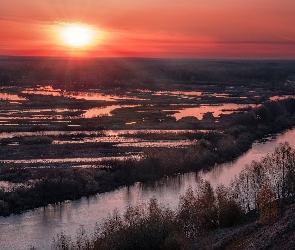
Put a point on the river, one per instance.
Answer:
(38, 227)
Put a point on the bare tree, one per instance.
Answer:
(267, 204)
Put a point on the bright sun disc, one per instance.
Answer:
(77, 35)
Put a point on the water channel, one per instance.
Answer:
(38, 227)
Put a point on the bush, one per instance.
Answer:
(148, 227)
(4, 208)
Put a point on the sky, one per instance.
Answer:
(258, 29)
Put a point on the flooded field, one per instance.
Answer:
(117, 123)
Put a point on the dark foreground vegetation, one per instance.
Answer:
(56, 184)
(262, 191)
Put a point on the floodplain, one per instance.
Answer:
(57, 114)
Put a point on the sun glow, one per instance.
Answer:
(77, 35)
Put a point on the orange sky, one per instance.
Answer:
(152, 28)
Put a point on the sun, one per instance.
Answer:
(77, 35)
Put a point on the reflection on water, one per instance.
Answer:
(130, 123)
(220, 95)
(226, 172)
(36, 114)
(86, 95)
(105, 111)
(46, 90)
(113, 133)
(216, 110)
(99, 95)
(49, 133)
(131, 142)
(152, 131)
(158, 144)
(39, 226)
(183, 94)
(97, 112)
(65, 160)
(11, 97)
(275, 98)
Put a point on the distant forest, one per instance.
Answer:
(110, 73)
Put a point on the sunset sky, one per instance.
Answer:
(151, 28)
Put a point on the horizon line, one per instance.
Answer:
(145, 58)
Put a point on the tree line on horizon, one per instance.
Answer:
(112, 73)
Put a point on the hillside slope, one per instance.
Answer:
(279, 235)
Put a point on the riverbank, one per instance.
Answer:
(256, 205)
(277, 235)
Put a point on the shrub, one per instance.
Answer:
(229, 211)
